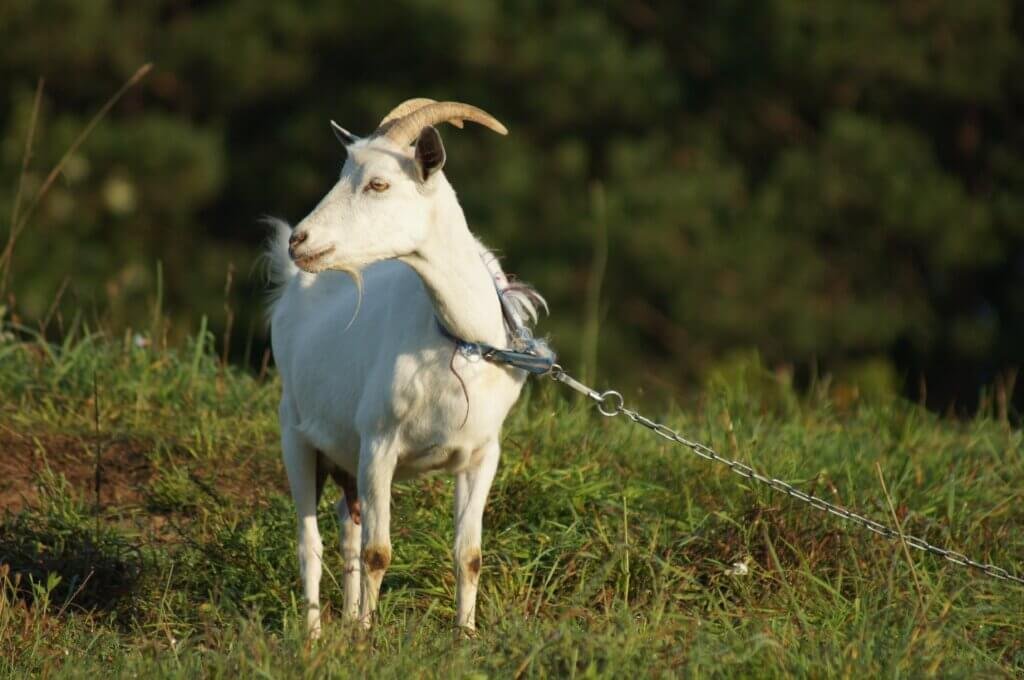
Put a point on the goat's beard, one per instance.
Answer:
(357, 278)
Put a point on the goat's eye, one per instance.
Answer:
(377, 184)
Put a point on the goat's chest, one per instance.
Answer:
(451, 408)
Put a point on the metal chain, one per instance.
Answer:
(610, 403)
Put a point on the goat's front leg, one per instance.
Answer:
(376, 470)
(471, 489)
(300, 464)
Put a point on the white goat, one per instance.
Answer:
(373, 390)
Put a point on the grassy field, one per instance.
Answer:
(607, 552)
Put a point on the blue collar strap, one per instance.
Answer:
(533, 355)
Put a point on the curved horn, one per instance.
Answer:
(407, 107)
(404, 130)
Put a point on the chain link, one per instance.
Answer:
(611, 404)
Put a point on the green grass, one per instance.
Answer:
(607, 551)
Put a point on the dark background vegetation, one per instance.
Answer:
(836, 185)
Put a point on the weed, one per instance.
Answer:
(58, 555)
(607, 551)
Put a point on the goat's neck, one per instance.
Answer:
(456, 277)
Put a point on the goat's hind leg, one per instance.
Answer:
(300, 462)
(349, 519)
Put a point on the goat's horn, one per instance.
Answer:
(407, 107)
(404, 130)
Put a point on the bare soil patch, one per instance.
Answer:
(124, 467)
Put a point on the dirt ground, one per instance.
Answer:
(124, 467)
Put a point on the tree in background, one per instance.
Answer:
(832, 183)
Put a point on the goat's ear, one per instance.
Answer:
(344, 136)
(429, 152)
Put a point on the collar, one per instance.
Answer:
(527, 352)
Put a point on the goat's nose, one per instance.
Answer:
(297, 238)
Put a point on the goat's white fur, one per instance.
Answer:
(375, 391)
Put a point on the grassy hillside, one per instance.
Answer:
(607, 552)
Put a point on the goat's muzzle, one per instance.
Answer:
(297, 238)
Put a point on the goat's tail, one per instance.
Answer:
(277, 263)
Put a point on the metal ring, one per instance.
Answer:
(602, 400)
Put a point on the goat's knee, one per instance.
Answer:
(311, 548)
(467, 575)
(469, 564)
(376, 558)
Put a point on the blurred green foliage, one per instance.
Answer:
(830, 182)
